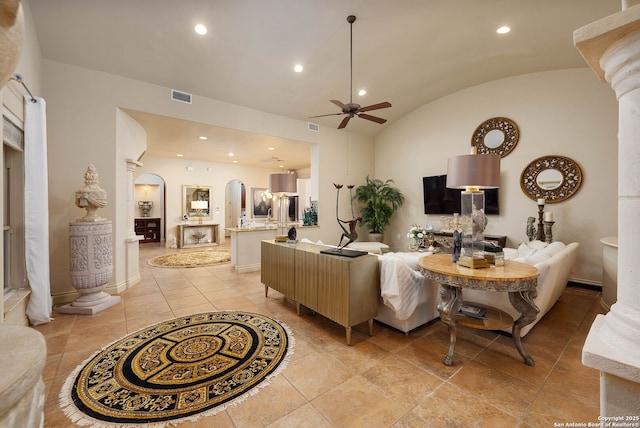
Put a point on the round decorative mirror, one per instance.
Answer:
(552, 178)
(496, 136)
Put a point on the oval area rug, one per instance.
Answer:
(187, 259)
(177, 370)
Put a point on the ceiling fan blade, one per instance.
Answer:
(376, 106)
(344, 122)
(340, 104)
(372, 118)
(325, 115)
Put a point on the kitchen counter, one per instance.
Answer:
(245, 244)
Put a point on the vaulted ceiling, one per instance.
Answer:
(406, 52)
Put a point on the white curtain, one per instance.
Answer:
(36, 210)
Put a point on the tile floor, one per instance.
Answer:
(387, 380)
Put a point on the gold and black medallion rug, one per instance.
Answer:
(188, 259)
(184, 368)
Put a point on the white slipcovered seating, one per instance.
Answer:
(409, 301)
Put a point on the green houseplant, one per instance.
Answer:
(380, 201)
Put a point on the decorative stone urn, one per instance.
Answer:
(91, 251)
(91, 196)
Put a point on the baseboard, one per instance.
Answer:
(584, 285)
(248, 268)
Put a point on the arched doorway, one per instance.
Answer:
(149, 201)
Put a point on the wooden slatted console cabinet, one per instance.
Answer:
(345, 290)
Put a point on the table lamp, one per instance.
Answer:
(281, 185)
(473, 173)
(199, 207)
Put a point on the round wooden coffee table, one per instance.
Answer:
(518, 279)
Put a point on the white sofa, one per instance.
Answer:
(409, 301)
(554, 261)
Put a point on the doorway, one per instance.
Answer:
(149, 201)
(235, 199)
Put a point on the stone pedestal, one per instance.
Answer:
(611, 47)
(91, 266)
(24, 353)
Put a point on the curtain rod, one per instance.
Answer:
(18, 78)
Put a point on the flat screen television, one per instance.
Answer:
(438, 199)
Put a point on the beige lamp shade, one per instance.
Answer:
(479, 171)
(283, 183)
(199, 205)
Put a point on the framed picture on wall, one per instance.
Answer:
(261, 203)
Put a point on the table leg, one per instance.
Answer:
(348, 333)
(522, 301)
(370, 326)
(448, 306)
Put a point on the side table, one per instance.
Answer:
(518, 279)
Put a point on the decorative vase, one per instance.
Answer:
(415, 244)
(375, 237)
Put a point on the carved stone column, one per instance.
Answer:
(611, 47)
(132, 242)
(91, 266)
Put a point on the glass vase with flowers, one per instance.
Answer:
(416, 237)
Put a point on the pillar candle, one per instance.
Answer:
(540, 201)
(548, 216)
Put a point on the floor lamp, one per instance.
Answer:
(473, 173)
(282, 185)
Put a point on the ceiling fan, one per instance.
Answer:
(351, 109)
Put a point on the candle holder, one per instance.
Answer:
(547, 231)
(541, 230)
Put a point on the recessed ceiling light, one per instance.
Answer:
(281, 166)
(235, 161)
(271, 148)
(503, 30)
(298, 68)
(231, 154)
(362, 92)
(202, 137)
(200, 29)
(179, 155)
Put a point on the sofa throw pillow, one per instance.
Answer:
(537, 245)
(525, 251)
(554, 248)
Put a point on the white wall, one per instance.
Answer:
(567, 112)
(86, 125)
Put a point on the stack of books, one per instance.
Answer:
(473, 311)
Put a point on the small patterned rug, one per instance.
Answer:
(188, 259)
(177, 370)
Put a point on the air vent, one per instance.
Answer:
(313, 127)
(183, 97)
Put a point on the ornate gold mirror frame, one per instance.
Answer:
(496, 136)
(552, 178)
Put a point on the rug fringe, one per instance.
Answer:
(82, 419)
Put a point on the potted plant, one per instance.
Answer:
(380, 200)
